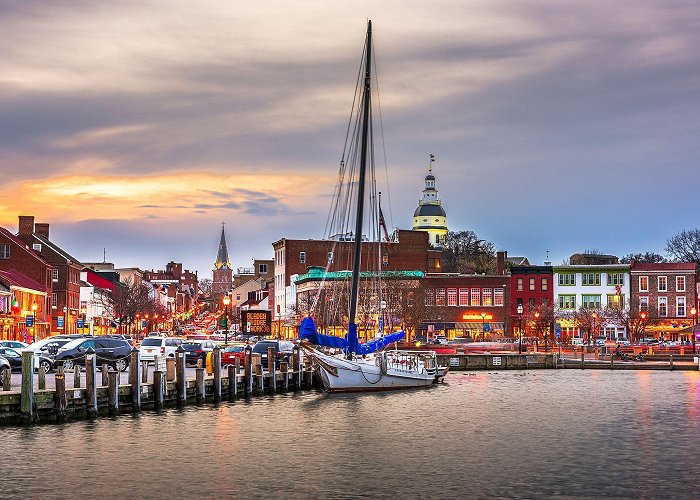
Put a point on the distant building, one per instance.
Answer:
(261, 268)
(530, 286)
(180, 286)
(222, 274)
(430, 216)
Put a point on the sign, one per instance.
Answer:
(257, 322)
(81, 322)
(454, 362)
(496, 361)
(60, 321)
(29, 320)
(381, 324)
(557, 330)
(143, 323)
(161, 366)
(487, 327)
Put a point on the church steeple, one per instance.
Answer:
(430, 216)
(222, 261)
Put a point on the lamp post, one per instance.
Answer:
(694, 315)
(537, 331)
(227, 301)
(520, 318)
(483, 327)
(34, 308)
(382, 306)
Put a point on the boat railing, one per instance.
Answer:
(410, 361)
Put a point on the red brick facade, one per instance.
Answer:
(529, 286)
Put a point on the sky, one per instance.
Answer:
(137, 128)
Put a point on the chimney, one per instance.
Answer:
(26, 226)
(42, 229)
(501, 262)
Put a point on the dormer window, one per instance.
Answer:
(37, 247)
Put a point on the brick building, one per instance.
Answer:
(667, 291)
(65, 297)
(180, 286)
(530, 286)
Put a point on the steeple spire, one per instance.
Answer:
(222, 261)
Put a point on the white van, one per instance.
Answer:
(158, 346)
(577, 341)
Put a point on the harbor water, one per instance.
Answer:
(513, 434)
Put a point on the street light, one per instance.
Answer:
(693, 314)
(520, 317)
(227, 301)
(537, 332)
(483, 327)
(382, 306)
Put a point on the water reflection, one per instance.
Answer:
(504, 434)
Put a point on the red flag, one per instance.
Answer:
(383, 224)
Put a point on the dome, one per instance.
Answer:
(429, 211)
(430, 177)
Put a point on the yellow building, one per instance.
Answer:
(430, 216)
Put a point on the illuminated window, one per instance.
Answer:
(567, 301)
(487, 298)
(532, 284)
(430, 297)
(680, 306)
(464, 296)
(663, 306)
(476, 297)
(520, 285)
(451, 296)
(616, 301)
(680, 283)
(662, 284)
(644, 283)
(440, 297)
(644, 303)
(590, 301)
(498, 297)
(545, 284)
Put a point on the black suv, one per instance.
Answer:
(196, 350)
(114, 352)
(283, 351)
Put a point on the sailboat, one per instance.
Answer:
(367, 366)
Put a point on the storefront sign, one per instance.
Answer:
(60, 321)
(29, 320)
(257, 322)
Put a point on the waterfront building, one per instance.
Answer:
(65, 295)
(430, 216)
(667, 292)
(530, 287)
(177, 289)
(590, 286)
(222, 274)
(96, 316)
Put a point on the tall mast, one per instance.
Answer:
(361, 181)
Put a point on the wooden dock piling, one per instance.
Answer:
(76, 377)
(27, 394)
(216, 361)
(199, 385)
(259, 379)
(135, 379)
(61, 401)
(232, 381)
(248, 370)
(271, 364)
(113, 391)
(91, 382)
(42, 378)
(284, 368)
(105, 377)
(7, 380)
(158, 389)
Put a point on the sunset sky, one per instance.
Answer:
(140, 126)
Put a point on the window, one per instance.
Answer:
(487, 299)
(680, 283)
(663, 306)
(590, 279)
(54, 274)
(644, 283)
(567, 279)
(644, 303)
(451, 296)
(616, 279)
(464, 296)
(262, 268)
(680, 306)
(662, 284)
(4, 251)
(519, 285)
(544, 284)
(440, 297)
(532, 284)
(476, 296)
(329, 257)
(37, 247)
(54, 300)
(615, 301)
(430, 297)
(498, 297)
(590, 301)
(567, 302)
(302, 257)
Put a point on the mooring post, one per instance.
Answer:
(144, 371)
(180, 375)
(259, 376)
(583, 354)
(61, 401)
(284, 368)
(248, 370)
(42, 378)
(27, 394)
(7, 380)
(612, 361)
(295, 367)
(158, 389)
(113, 391)
(670, 361)
(199, 385)
(105, 376)
(232, 381)
(135, 379)
(91, 382)
(216, 361)
(271, 362)
(76, 377)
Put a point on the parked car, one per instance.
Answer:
(231, 353)
(600, 341)
(15, 358)
(4, 367)
(649, 341)
(283, 350)
(159, 346)
(197, 349)
(14, 344)
(623, 342)
(114, 352)
(577, 341)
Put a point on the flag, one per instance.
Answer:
(383, 224)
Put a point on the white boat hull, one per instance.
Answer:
(361, 375)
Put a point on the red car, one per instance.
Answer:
(230, 353)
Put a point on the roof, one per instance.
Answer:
(21, 244)
(429, 210)
(222, 255)
(16, 279)
(4, 290)
(664, 266)
(518, 261)
(56, 248)
(430, 177)
(318, 273)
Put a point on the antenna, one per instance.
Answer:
(104, 255)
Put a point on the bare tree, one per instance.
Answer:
(205, 285)
(629, 316)
(465, 253)
(540, 321)
(590, 321)
(684, 246)
(646, 257)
